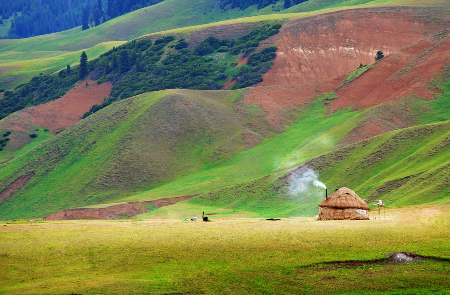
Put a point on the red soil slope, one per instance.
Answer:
(69, 109)
(315, 54)
(405, 72)
(126, 210)
(55, 115)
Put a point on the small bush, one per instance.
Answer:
(181, 44)
(7, 139)
(33, 135)
(235, 51)
(223, 49)
(276, 26)
(379, 55)
(6, 134)
(87, 114)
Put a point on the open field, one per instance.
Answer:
(226, 256)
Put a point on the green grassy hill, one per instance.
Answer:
(404, 167)
(141, 149)
(184, 142)
(22, 59)
(133, 145)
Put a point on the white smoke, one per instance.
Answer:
(319, 184)
(304, 181)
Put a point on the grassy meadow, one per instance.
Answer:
(226, 256)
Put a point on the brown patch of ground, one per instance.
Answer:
(251, 138)
(276, 99)
(14, 186)
(55, 115)
(69, 109)
(126, 210)
(334, 44)
(228, 84)
(406, 72)
(315, 54)
(242, 61)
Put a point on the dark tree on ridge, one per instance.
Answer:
(83, 65)
(85, 20)
(379, 55)
(287, 4)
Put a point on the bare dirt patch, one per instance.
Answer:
(14, 186)
(406, 72)
(315, 54)
(229, 84)
(276, 99)
(119, 211)
(69, 109)
(55, 115)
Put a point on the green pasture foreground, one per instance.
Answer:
(226, 256)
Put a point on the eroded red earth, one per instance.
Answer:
(69, 109)
(315, 55)
(125, 210)
(55, 115)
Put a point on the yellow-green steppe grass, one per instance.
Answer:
(19, 67)
(228, 256)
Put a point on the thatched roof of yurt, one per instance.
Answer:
(344, 198)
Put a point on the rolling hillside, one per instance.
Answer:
(137, 144)
(238, 183)
(20, 60)
(324, 111)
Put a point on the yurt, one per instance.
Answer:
(344, 203)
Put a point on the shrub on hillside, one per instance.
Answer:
(87, 114)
